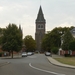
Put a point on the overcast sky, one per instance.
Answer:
(56, 12)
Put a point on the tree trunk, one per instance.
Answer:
(12, 53)
(9, 53)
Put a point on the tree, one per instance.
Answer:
(12, 39)
(55, 39)
(30, 43)
(51, 40)
(46, 43)
(55, 50)
(67, 38)
(72, 45)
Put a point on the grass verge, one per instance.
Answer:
(67, 60)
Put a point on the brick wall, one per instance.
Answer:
(62, 52)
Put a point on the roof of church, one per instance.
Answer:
(40, 16)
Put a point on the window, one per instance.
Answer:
(40, 27)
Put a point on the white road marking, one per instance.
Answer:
(44, 70)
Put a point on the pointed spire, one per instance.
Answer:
(20, 29)
(40, 16)
(19, 26)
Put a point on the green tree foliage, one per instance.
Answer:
(55, 50)
(12, 39)
(71, 27)
(46, 43)
(55, 38)
(51, 40)
(67, 38)
(72, 45)
(30, 43)
(60, 30)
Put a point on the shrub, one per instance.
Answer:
(55, 50)
(67, 55)
(1, 54)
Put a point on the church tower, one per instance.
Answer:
(40, 29)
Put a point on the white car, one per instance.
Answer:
(47, 53)
(24, 54)
(29, 53)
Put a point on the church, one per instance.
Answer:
(40, 29)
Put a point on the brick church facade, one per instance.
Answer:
(40, 29)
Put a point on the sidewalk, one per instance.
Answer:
(10, 57)
(54, 62)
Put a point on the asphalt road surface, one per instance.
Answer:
(36, 64)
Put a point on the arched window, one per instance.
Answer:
(40, 26)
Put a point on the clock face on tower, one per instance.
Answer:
(40, 26)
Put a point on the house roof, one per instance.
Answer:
(73, 31)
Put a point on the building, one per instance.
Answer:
(62, 52)
(40, 29)
(21, 31)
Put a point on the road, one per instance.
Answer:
(33, 65)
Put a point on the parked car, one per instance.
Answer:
(24, 54)
(47, 53)
(30, 53)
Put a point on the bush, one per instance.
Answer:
(1, 54)
(55, 50)
(67, 55)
